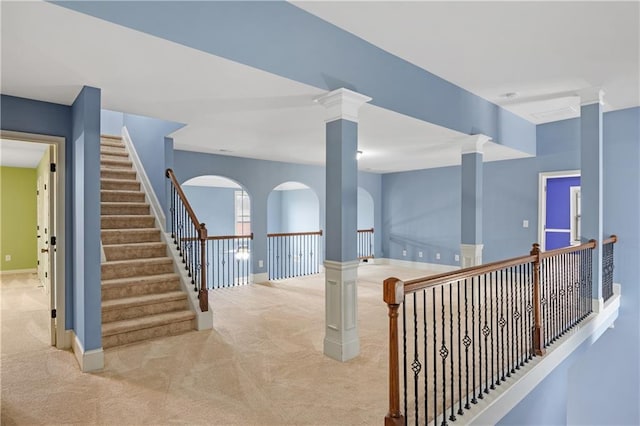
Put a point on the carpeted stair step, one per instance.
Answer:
(134, 251)
(123, 196)
(115, 163)
(140, 306)
(111, 140)
(116, 151)
(128, 331)
(136, 268)
(126, 222)
(119, 184)
(115, 208)
(127, 236)
(121, 174)
(138, 286)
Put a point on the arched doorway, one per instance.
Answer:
(294, 244)
(224, 206)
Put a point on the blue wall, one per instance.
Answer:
(421, 213)
(85, 139)
(366, 210)
(215, 207)
(300, 211)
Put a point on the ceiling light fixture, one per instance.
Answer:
(509, 95)
(358, 155)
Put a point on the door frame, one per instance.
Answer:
(61, 339)
(542, 198)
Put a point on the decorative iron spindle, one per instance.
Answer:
(607, 267)
(365, 244)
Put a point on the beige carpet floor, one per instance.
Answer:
(262, 364)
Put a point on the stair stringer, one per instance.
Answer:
(203, 320)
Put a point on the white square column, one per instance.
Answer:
(341, 340)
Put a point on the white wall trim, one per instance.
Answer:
(204, 320)
(60, 213)
(435, 267)
(542, 198)
(474, 144)
(150, 194)
(259, 278)
(497, 404)
(92, 360)
(342, 104)
(19, 271)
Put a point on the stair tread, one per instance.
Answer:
(124, 326)
(130, 216)
(136, 245)
(132, 230)
(143, 278)
(146, 299)
(114, 180)
(125, 203)
(163, 259)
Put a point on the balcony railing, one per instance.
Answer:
(365, 244)
(466, 332)
(293, 254)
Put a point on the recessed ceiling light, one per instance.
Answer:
(358, 155)
(509, 95)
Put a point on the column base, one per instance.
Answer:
(341, 341)
(471, 255)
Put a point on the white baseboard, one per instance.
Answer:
(259, 278)
(150, 194)
(19, 271)
(92, 360)
(436, 267)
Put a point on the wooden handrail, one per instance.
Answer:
(366, 230)
(183, 197)
(230, 237)
(411, 286)
(294, 234)
(611, 239)
(551, 253)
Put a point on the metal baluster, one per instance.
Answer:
(404, 354)
(514, 330)
(443, 354)
(415, 365)
(493, 326)
(485, 331)
(459, 353)
(501, 322)
(426, 369)
(473, 337)
(435, 358)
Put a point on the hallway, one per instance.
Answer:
(262, 363)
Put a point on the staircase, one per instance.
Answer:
(141, 294)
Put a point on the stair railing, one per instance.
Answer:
(230, 260)
(365, 244)
(190, 237)
(465, 332)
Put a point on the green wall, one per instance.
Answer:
(18, 218)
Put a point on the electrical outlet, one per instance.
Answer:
(419, 254)
(457, 257)
(404, 252)
(260, 263)
(7, 258)
(525, 223)
(437, 256)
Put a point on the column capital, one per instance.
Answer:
(474, 143)
(342, 104)
(591, 95)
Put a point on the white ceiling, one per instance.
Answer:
(232, 109)
(21, 154)
(223, 182)
(543, 51)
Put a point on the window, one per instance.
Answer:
(243, 213)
